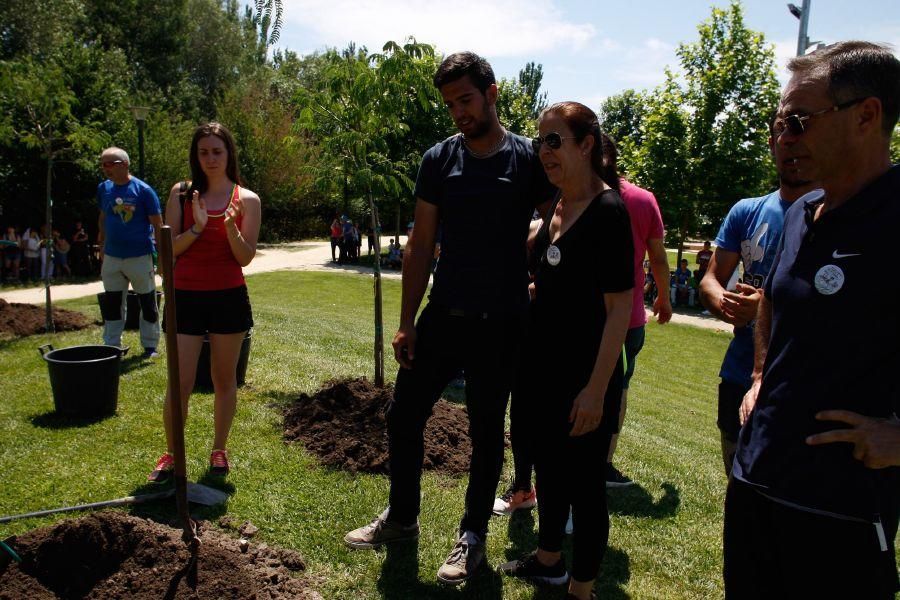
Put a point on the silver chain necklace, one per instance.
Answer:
(494, 150)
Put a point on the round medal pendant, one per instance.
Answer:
(829, 280)
(553, 255)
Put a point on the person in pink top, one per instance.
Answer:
(647, 232)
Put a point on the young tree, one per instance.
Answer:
(358, 116)
(37, 111)
(520, 101)
(720, 118)
(621, 116)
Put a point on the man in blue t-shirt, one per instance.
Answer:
(479, 188)
(748, 237)
(813, 502)
(129, 226)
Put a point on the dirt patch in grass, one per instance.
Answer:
(114, 555)
(343, 424)
(19, 320)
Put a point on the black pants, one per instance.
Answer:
(571, 471)
(486, 349)
(335, 242)
(776, 551)
(519, 436)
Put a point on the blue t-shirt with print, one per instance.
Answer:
(126, 216)
(753, 230)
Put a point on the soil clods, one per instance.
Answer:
(343, 424)
(114, 555)
(20, 320)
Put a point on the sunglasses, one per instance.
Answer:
(111, 163)
(553, 141)
(796, 124)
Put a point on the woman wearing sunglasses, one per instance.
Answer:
(579, 317)
(215, 224)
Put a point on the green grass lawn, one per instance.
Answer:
(672, 255)
(666, 531)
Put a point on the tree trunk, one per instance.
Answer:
(379, 321)
(346, 193)
(399, 210)
(682, 234)
(49, 307)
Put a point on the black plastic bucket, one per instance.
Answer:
(85, 379)
(204, 378)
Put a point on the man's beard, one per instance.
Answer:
(482, 127)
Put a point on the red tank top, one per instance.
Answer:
(209, 263)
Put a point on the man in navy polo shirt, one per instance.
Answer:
(479, 188)
(813, 503)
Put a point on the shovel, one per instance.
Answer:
(196, 493)
(167, 264)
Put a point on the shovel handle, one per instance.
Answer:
(105, 504)
(167, 264)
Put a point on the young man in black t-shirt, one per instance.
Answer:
(483, 179)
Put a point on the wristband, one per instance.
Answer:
(197, 233)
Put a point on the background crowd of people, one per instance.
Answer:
(26, 257)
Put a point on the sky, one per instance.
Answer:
(589, 50)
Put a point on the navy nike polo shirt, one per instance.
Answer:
(834, 344)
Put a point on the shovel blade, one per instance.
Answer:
(205, 495)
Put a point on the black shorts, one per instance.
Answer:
(216, 311)
(634, 341)
(730, 397)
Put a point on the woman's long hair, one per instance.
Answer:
(198, 177)
(583, 122)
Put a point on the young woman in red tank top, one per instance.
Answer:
(215, 224)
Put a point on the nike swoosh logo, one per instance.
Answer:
(837, 254)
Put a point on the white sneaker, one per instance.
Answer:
(513, 500)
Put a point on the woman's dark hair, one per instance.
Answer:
(583, 122)
(456, 66)
(198, 177)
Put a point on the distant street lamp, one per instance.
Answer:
(140, 115)
(802, 13)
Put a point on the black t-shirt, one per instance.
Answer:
(593, 257)
(485, 208)
(830, 347)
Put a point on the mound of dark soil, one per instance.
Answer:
(114, 555)
(19, 320)
(343, 424)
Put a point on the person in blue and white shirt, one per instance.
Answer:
(749, 237)
(129, 225)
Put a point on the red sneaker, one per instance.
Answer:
(163, 470)
(218, 463)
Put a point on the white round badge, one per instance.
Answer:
(829, 280)
(553, 255)
(119, 201)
